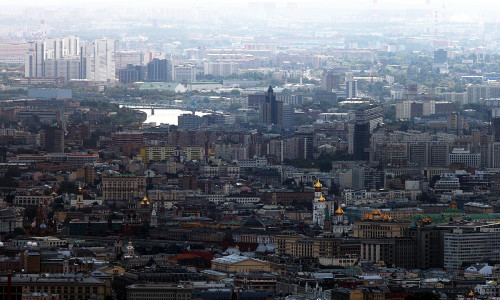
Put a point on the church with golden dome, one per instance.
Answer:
(340, 223)
(319, 205)
(376, 215)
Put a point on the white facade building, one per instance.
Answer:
(319, 206)
(99, 60)
(471, 244)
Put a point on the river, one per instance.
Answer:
(167, 116)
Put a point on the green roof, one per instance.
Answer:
(158, 86)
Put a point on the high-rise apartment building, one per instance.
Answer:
(65, 57)
(40, 52)
(221, 68)
(184, 74)
(98, 60)
(189, 121)
(351, 89)
(330, 81)
(440, 56)
(131, 74)
(160, 70)
(54, 140)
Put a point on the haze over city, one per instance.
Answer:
(252, 150)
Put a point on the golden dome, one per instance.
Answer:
(321, 198)
(318, 184)
(453, 205)
(145, 201)
(376, 212)
(427, 219)
(339, 211)
(471, 294)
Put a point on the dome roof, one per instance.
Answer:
(318, 184)
(253, 222)
(321, 198)
(145, 201)
(376, 212)
(339, 211)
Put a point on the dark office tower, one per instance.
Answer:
(330, 81)
(54, 140)
(305, 145)
(440, 56)
(3, 154)
(271, 110)
(495, 122)
(131, 74)
(288, 112)
(160, 70)
(361, 141)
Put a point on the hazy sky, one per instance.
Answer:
(466, 10)
(382, 4)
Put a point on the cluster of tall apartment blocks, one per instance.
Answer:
(68, 58)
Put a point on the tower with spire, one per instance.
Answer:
(271, 110)
(319, 205)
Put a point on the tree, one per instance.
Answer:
(433, 180)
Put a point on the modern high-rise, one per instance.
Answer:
(361, 138)
(54, 49)
(131, 74)
(288, 113)
(98, 60)
(54, 140)
(160, 70)
(360, 131)
(189, 121)
(221, 68)
(330, 81)
(67, 68)
(351, 89)
(440, 56)
(271, 110)
(184, 74)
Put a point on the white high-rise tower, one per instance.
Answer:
(99, 60)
